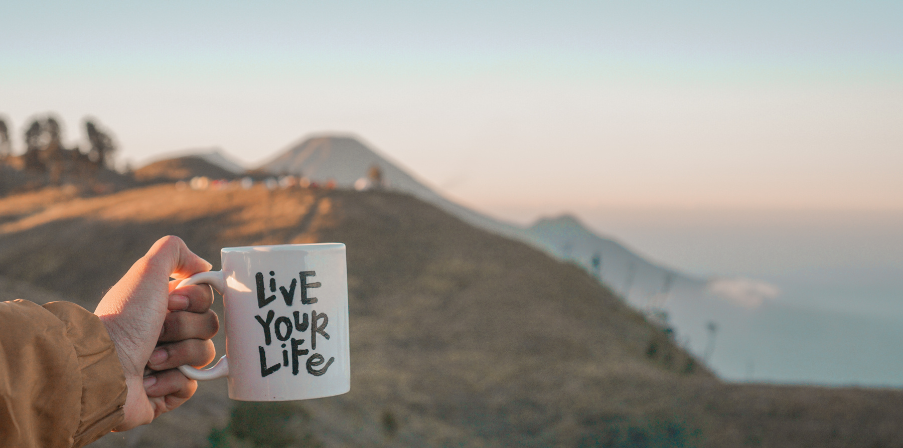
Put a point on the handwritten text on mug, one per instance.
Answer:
(282, 327)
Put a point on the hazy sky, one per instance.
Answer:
(517, 108)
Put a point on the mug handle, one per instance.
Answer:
(221, 368)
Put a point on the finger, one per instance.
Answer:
(181, 325)
(170, 256)
(195, 298)
(169, 382)
(168, 390)
(192, 352)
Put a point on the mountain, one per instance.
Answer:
(345, 159)
(644, 285)
(459, 337)
(666, 296)
(219, 157)
(215, 156)
(182, 168)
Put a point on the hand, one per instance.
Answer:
(156, 328)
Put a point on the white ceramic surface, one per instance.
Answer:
(286, 322)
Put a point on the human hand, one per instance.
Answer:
(157, 328)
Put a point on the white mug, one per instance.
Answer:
(286, 322)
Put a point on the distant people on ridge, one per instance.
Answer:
(376, 176)
(373, 180)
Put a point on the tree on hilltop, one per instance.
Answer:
(53, 133)
(44, 151)
(33, 146)
(52, 137)
(5, 144)
(51, 162)
(102, 145)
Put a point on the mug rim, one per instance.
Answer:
(284, 247)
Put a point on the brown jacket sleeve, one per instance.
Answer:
(61, 382)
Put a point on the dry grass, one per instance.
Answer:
(459, 337)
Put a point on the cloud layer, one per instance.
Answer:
(744, 292)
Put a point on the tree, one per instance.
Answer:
(33, 146)
(5, 145)
(53, 134)
(33, 136)
(53, 149)
(628, 284)
(597, 265)
(712, 328)
(102, 145)
(44, 151)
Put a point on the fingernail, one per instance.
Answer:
(149, 381)
(178, 302)
(159, 355)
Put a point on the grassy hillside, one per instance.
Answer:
(459, 337)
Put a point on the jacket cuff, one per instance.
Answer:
(104, 390)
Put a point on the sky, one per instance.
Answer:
(751, 139)
(516, 108)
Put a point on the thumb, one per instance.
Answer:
(170, 257)
(145, 287)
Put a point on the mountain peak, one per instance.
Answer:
(342, 158)
(330, 141)
(214, 155)
(563, 221)
(183, 168)
(222, 159)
